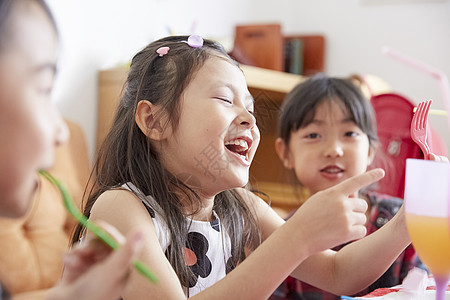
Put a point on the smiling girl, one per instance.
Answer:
(174, 164)
(327, 135)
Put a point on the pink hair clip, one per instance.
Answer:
(195, 41)
(162, 51)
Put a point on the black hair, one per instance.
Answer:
(128, 156)
(299, 107)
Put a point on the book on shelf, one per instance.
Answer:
(293, 54)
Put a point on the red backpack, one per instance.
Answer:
(393, 115)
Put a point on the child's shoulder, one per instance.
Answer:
(114, 194)
(250, 198)
(117, 201)
(123, 209)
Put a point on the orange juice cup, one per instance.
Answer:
(426, 205)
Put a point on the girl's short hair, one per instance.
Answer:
(299, 107)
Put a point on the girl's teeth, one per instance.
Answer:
(240, 143)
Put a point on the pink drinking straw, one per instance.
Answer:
(438, 74)
(441, 283)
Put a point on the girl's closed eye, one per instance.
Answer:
(46, 91)
(224, 99)
(223, 95)
(44, 81)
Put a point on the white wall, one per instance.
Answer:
(99, 34)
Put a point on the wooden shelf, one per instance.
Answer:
(270, 80)
(265, 46)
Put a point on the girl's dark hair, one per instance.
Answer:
(7, 9)
(127, 155)
(299, 107)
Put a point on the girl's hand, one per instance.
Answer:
(438, 158)
(94, 271)
(336, 215)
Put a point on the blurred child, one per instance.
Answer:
(174, 164)
(31, 128)
(328, 134)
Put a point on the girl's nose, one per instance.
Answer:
(333, 149)
(246, 118)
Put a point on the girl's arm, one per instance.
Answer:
(358, 264)
(255, 278)
(286, 244)
(355, 266)
(125, 211)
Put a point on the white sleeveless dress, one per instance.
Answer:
(210, 249)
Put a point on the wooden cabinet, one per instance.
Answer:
(259, 45)
(110, 85)
(268, 87)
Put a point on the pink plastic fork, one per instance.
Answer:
(419, 127)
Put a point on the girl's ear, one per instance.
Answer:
(283, 153)
(150, 120)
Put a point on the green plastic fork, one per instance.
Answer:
(98, 231)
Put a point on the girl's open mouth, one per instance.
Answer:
(240, 147)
